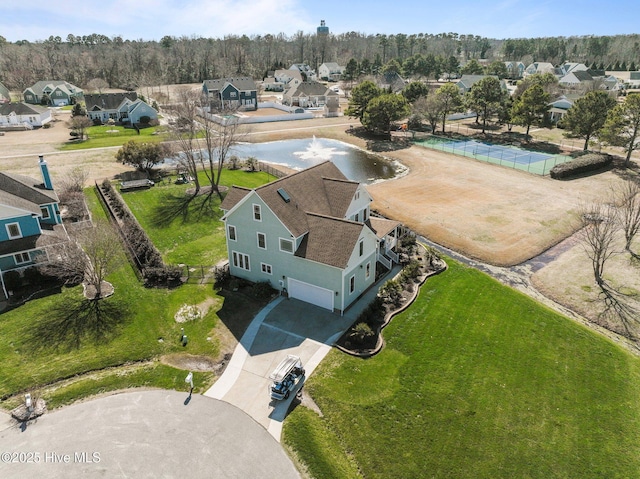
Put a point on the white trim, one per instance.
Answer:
(264, 236)
(17, 261)
(8, 228)
(286, 240)
(241, 260)
(352, 284)
(258, 211)
(266, 268)
(235, 233)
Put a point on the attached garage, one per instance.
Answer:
(310, 293)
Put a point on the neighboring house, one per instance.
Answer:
(569, 67)
(308, 74)
(311, 94)
(634, 79)
(280, 80)
(232, 93)
(330, 71)
(124, 108)
(21, 115)
(559, 108)
(5, 96)
(60, 93)
(391, 81)
(467, 81)
(310, 235)
(539, 67)
(515, 69)
(30, 222)
(577, 79)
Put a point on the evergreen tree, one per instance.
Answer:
(587, 115)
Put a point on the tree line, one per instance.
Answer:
(131, 64)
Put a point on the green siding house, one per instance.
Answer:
(58, 92)
(309, 235)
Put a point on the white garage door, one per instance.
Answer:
(311, 293)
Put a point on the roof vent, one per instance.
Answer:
(284, 195)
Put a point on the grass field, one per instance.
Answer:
(476, 380)
(193, 235)
(38, 346)
(111, 135)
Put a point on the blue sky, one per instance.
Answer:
(152, 19)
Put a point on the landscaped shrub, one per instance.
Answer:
(583, 164)
(262, 290)
(361, 332)
(162, 276)
(144, 120)
(391, 292)
(221, 278)
(12, 280)
(411, 271)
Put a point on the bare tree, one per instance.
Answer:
(75, 180)
(79, 124)
(97, 85)
(598, 231)
(89, 257)
(628, 201)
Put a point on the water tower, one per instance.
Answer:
(323, 30)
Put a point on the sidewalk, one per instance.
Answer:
(285, 326)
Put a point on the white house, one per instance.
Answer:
(330, 71)
(22, 115)
(124, 108)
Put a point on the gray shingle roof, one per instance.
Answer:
(241, 83)
(107, 101)
(24, 192)
(39, 86)
(21, 109)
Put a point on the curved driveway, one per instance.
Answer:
(143, 434)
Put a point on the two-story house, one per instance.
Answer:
(30, 221)
(330, 71)
(124, 108)
(312, 94)
(59, 93)
(232, 93)
(310, 235)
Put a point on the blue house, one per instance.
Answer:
(30, 221)
(232, 93)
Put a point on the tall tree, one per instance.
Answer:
(587, 116)
(450, 101)
(142, 155)
(361, 95)
(622, 126)
(597, 236)
(530, 108)
(415, 90)
(383, 110)
(485, 98)
(429, 108)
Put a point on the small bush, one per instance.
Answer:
(221, 278)
(144, 120)
(583, 164)
(262, 290)
(361, 332)
(391, 292)
(415, 122)
(12, 280)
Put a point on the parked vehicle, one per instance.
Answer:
(286, 377)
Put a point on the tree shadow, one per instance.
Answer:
(70, 322)
(182, 207)
(618, 309)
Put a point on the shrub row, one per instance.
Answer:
(147, 257)
(583, 164)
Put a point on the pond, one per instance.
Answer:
(355, 164)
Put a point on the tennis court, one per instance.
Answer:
(511, 156)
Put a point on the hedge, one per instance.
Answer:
(583, 164)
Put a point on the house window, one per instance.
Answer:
(13, 229)
(241, 260)
(357, 217)
(367, 271)
(232, 94)
(266, 268)
(45, 213)
(361, 247)
(357, 195)
(262, 241)
(257, 214)
(22, 258)
(232, 233)
(352, 284)
(365, 216)
(286, 245)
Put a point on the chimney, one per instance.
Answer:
(46, 178)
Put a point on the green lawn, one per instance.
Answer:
(108, 135)
(197, 238)
(476, 381)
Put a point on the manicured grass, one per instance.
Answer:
(195, 236)
(478, 380)
(107, 135)
(138, 324)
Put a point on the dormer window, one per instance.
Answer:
(45, 213)
(13, 230)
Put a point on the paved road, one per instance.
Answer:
(143, 434)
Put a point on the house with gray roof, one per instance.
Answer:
(312, 94)
(30, 221)
(309, 235)
(239, 93)
(466, 82)
(23, 116)
(52, 92)
(125, 108)
(539, 67)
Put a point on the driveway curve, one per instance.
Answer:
(143, 434)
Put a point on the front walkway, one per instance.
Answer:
(285, 326)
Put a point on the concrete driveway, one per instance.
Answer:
(285, 326)
(142, 434)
